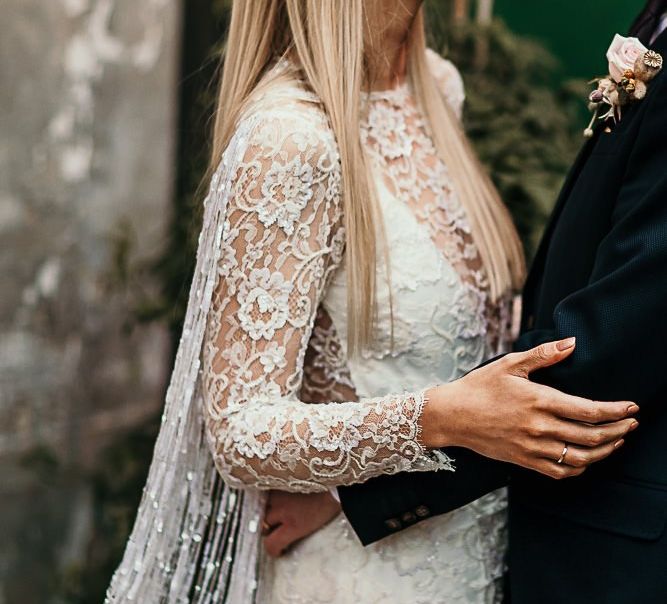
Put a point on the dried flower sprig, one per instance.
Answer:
(631, 67)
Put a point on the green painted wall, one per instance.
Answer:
(578, 32)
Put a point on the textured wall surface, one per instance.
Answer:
(87, 113)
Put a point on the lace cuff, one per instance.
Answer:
(430, 460)
(293, 446)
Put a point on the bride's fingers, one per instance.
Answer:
(277, 541)
(267, 528)
(274, 516)
(555, 470)
(585, 410)
(581, 457)
(589, 435)
(522, 364)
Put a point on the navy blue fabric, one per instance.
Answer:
(646, 23)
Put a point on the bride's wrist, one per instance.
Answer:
(438, 420)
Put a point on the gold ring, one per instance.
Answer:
(561, 459)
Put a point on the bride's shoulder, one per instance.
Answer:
(282, 127)
(448, 79)
(284, 108)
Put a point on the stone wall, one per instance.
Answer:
(87, 131)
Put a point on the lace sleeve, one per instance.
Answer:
(282, 238)
(448, 79)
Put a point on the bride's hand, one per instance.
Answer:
(290, 517)
(496, 411)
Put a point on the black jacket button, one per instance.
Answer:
(393, 524)
(422, 511)
(408, 518)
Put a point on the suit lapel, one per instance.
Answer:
(660, 45)
(535, 275)
(538, 262)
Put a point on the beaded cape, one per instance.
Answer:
(183, 546)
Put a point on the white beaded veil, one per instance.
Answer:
(194, 540)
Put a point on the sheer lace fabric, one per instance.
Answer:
(282, 239)
(443, 326)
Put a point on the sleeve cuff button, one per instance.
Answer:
(422, 511)
(393, 524)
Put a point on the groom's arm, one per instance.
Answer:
(388, 504)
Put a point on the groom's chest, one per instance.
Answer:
(582, 219)
(584, 214)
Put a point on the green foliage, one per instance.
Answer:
(525, 127)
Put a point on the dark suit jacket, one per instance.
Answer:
(600, 274)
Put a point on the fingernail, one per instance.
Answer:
(618, 444)
(633, 425)
(632, 409)
(566, 344)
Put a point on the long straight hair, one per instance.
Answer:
(326, 41)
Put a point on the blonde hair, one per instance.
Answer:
(326, 41)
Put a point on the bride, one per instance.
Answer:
(354, 263)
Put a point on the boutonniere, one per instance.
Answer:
(631, 67)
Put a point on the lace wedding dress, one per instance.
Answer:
(283, 405)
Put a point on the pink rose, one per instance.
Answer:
(622, 55)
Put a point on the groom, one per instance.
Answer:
(600, 274)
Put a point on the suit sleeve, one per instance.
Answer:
(388, 504)
(620, 317)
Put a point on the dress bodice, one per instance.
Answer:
(435, 320)
(440, 326)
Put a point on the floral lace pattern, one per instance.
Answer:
(282, 238)
(453, 559)
(398, 140)
(284, 406)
